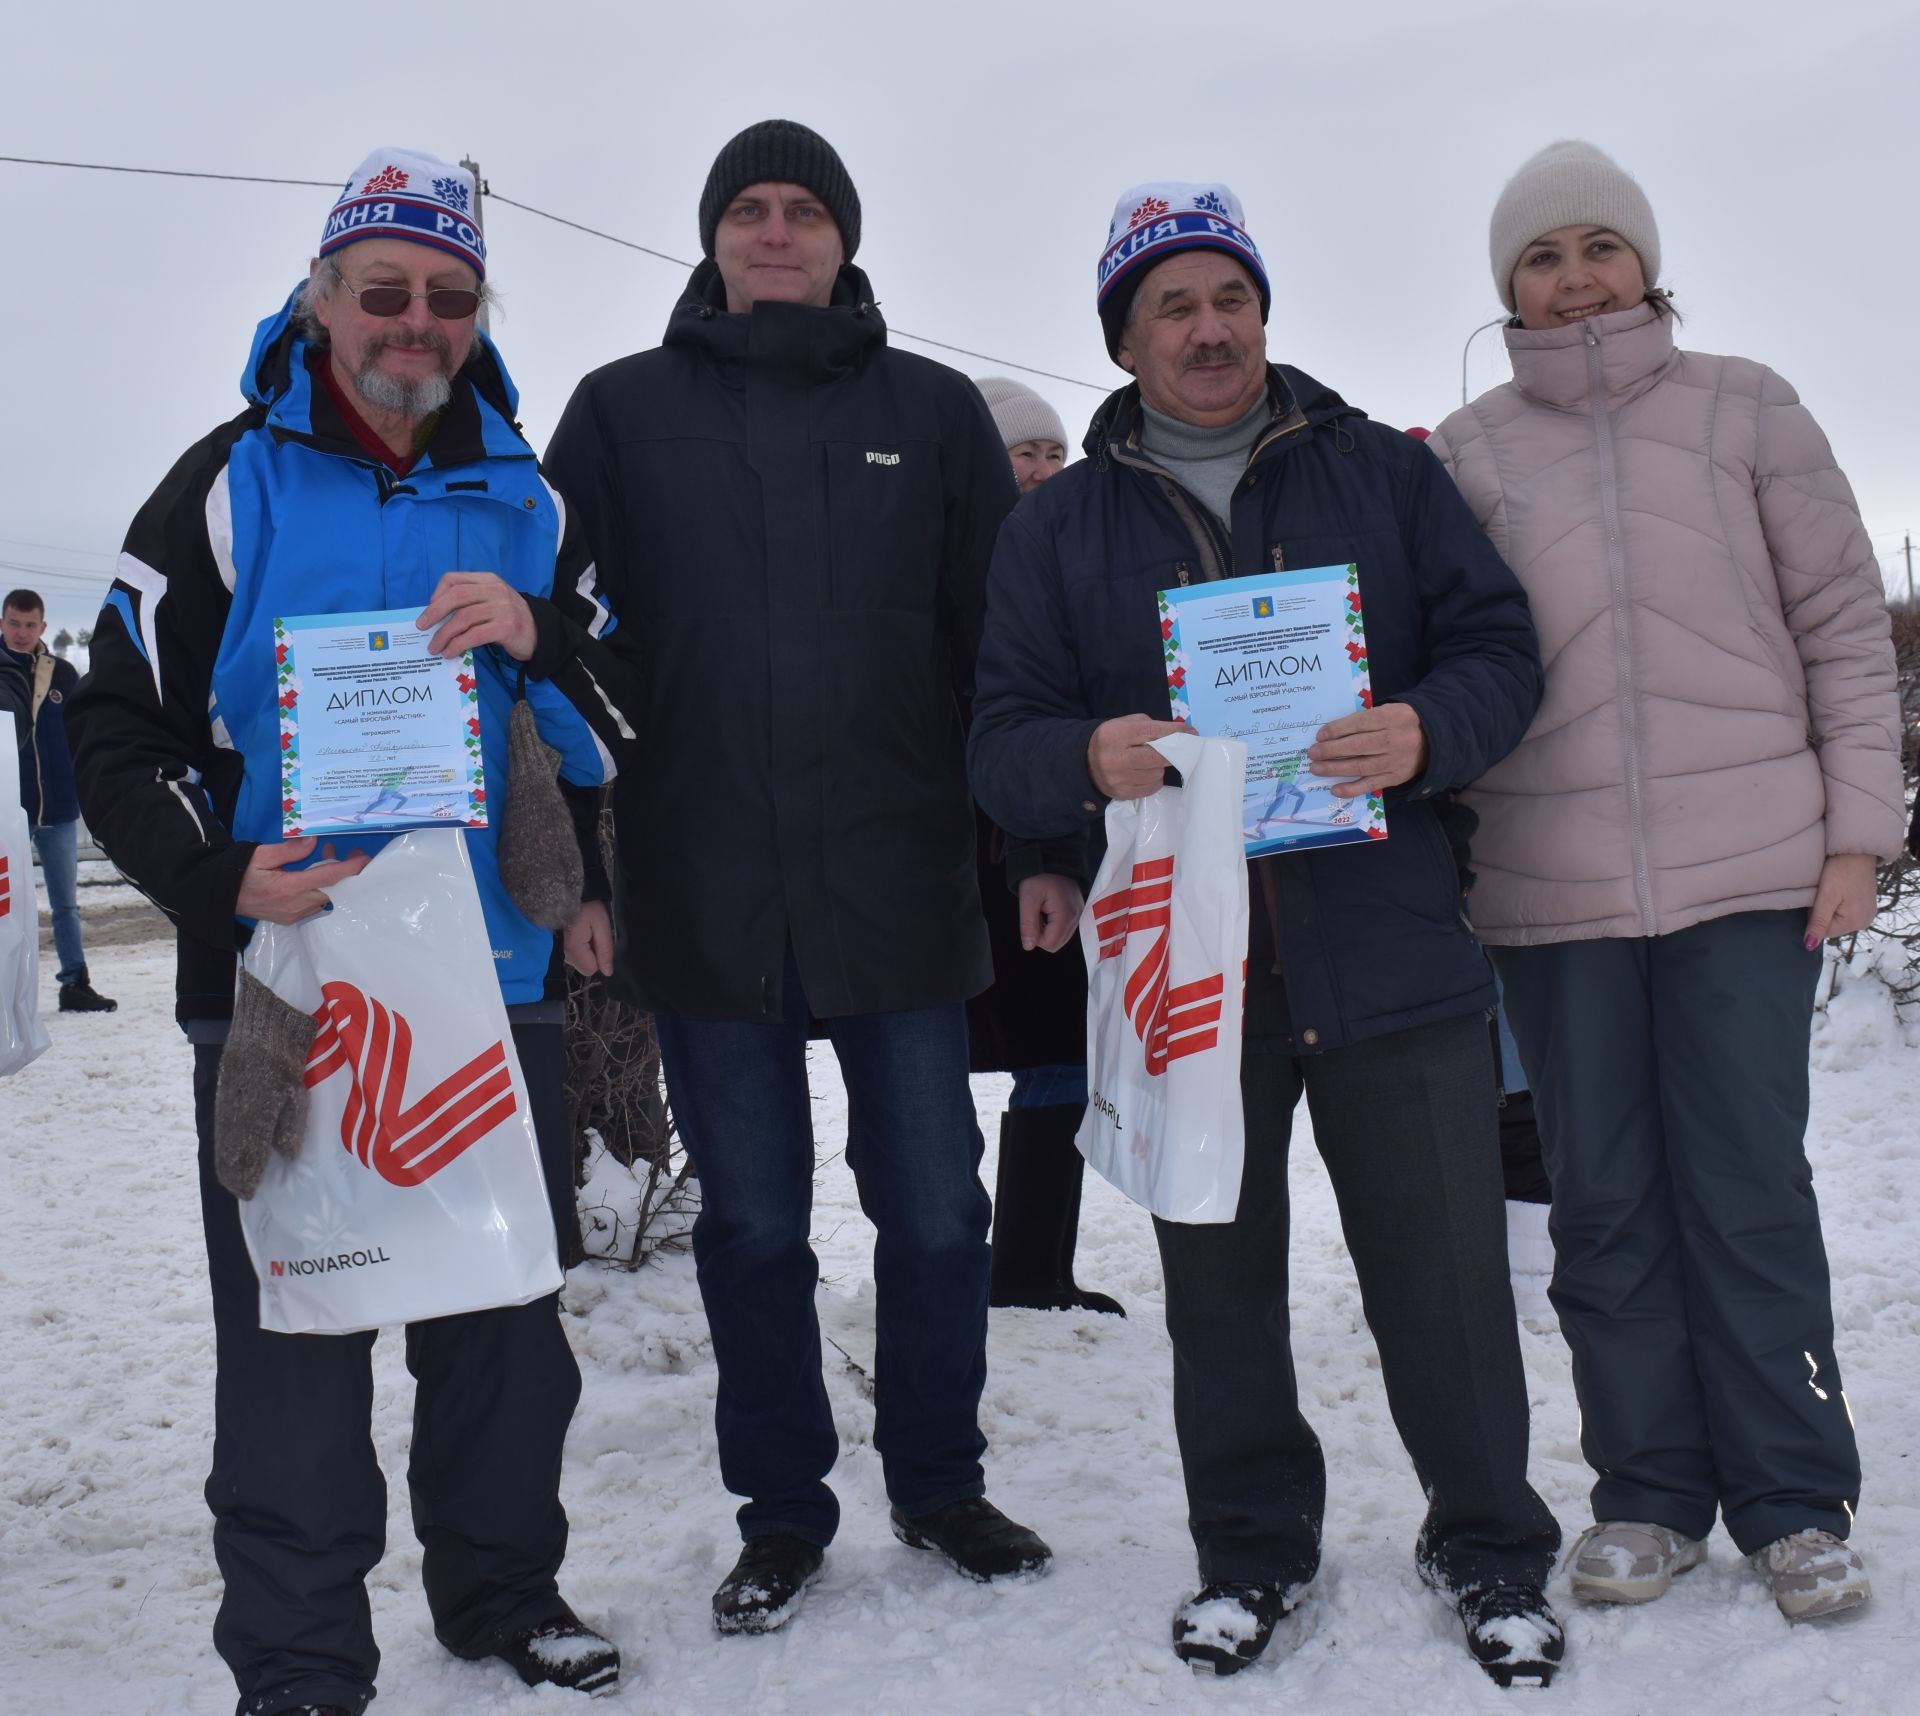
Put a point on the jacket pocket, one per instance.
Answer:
(886, 521)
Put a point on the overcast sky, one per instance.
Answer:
(1779, 144)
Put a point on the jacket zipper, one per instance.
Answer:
(1208, 539)
(1622, 631)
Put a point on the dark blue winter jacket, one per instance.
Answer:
(46, 772)
(1370, 938)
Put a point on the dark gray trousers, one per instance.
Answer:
(299, 1504)
(1405, 1125)
(1670, 1082)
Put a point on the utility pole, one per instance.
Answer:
(1909, 569)
(479, 220)
(1498, 321)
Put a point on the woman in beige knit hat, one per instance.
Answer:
(1697, 806)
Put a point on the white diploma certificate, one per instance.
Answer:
(1270, 660)
(376, 733)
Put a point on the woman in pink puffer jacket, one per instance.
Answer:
(1698, 803)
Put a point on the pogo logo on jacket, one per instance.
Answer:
(405, 1143)
(1171, 1019)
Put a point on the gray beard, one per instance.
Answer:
(404, 398)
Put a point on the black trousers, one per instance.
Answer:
(299, 1503)
(1670, 1081)
(1405, 1125)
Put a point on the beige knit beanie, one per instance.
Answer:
(1566, 183)
(1019, 413)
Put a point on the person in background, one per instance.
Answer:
(1698, 805)
(1033, 1021)
(46, 789)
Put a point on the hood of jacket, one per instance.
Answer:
(1551, 367)
(804, 341)
(477, 423)
(1117, 421)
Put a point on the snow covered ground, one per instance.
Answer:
(107, 1582)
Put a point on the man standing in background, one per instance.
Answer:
(1033, 1021)
(46, 789)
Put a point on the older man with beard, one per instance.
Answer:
(377, 466)
(1364, 988)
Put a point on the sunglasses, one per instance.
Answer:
(449, 303)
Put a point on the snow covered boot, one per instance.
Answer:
(1513, 1633)
(563, 1651)
(1530, 1263)
(1812, 1574)
(1228, 1624)
(1629, 1561)
(1036, 1213)
(765, 1588)
(977, 1538)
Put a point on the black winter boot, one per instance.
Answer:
(1036, 1213)
(79, 997)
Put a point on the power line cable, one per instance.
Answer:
(528, 208)
(57, 548)
(166, 172)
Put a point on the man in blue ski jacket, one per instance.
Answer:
(377, 466)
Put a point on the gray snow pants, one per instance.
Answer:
(299, 1504)
(1670, 1083)
(1405, 1125)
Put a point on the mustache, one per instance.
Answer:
(405, 339)
(1227, 352)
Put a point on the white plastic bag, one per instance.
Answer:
(22, 1036)
(1165, 934)
(418, 1190)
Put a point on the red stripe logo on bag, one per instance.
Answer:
(405, 1143)
(6, 885)
(1171, 1019)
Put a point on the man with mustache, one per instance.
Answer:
(1364, 989)
(377, 466)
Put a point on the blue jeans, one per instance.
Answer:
(56, 843)
(740, 1098)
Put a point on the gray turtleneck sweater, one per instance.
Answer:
(1209, 463)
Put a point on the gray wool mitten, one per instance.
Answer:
(539, 855)
(262, 1095)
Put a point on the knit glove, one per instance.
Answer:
(539, 852)
(262, 1095)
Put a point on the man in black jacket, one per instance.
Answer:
(1365, 989)
(794, 521)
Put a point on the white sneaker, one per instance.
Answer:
(1626, 1561)
(1813, 1573)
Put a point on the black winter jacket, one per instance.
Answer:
(1370, 938)
(794, 522)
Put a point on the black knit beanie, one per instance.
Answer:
(779, 151)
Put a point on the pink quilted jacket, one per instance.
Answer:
(1720, 711)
